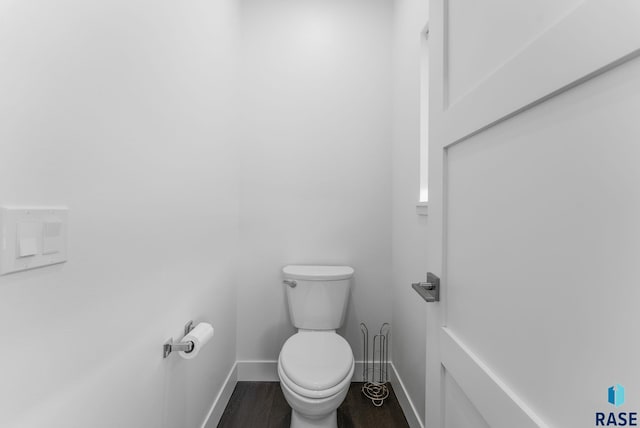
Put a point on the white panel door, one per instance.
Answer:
(534, 215)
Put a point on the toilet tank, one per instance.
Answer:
(317, 295)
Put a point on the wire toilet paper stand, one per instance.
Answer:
(375, 372)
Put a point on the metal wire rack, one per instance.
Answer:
(375, 372)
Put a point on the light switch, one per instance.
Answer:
(32, 237)
(51, 236)
(27, 238)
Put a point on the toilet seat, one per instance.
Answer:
(309, 395)
(316, 364)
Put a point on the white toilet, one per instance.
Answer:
(316, 364)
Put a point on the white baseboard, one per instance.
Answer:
(258, 371)
(409, 410)
(357, 372)
(220, 403)
(267, 371)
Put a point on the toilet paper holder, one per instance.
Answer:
(169, 346)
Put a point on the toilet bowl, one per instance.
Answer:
(316, 364)
(315, 370)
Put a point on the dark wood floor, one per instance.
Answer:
(262, 405)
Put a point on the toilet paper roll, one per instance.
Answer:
(199, 336)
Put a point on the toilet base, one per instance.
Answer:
(299, 420)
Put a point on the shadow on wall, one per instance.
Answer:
(276, 334)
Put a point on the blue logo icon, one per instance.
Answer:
(616, 395)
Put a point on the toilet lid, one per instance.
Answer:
(316, 360)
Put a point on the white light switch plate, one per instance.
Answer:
(32, 237)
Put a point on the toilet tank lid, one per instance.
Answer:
(318, 273)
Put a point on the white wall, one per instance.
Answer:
(119, 110)
(315, 166)
(409, 229)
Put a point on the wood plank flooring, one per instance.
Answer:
(262, 405)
